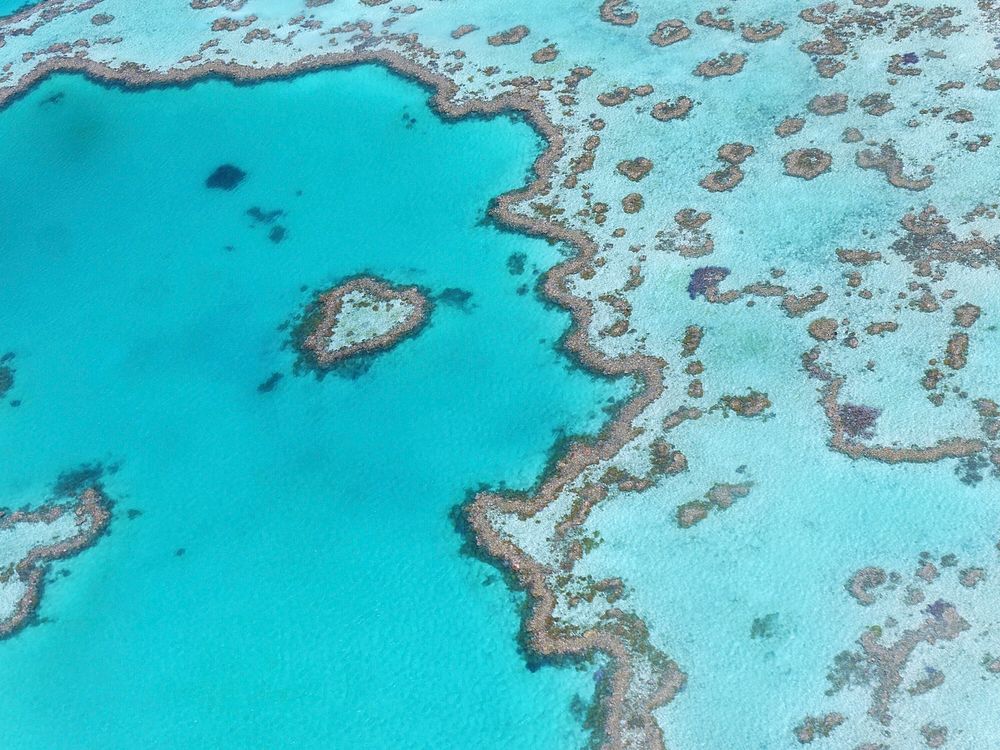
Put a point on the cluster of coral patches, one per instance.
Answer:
(914, 43)
(901, 316)
(572, 614)
(706, 281)
(543, 537)
(919, 111)
(363, 315)
(31, 539)
(605, 125)
(844, 29)
(916, 107)
(933, 634)
(719, 497)
(893, 346)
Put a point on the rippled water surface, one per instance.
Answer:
(283, 538)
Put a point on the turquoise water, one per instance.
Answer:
(12, 6)
(321, 599)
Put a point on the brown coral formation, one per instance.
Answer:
(707, 18)
(877, 104)
(943, 623)
(795, 306)
(848, 422)
(934, 735)
(732, 154)
(957, 351)
(513, 35)
(929, 242)
(613, 12)
(828, 67)
(857, 257)
(692, 340)
(830, 104)
(735, 153)
(635, 169)
(669, 32)
(689, 239)
(232, 24)
(877, 328)
(753, 404)
(762, 32)
(971, 577)
(725, 64)
(723, 495)
(691, 513)
(546, 54)
(966, 315)
(862, 583)
(632, 203)
(623, 94)
(887, 161)
(823, 329)
(465, 28)
(688, 218)
(807, 163)
(789, 126)
(723, 179)
(813, 727)
(918, 622)
(720, 496)
(320, 321)
(672, 110)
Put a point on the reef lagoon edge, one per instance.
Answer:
(621, 641)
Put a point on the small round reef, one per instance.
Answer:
(363, 315)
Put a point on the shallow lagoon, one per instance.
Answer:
(144, 311)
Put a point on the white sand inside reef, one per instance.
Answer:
(364, 316)
(16, 542)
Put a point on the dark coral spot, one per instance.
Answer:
(515, 263)
(264, 217)
(937, 609)
(705, 278)
(6, 379)
(858, 420)
(268, 385)
(455, 297)
(970, 469)
(72, 482)
(764, 627)
(225, 177)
